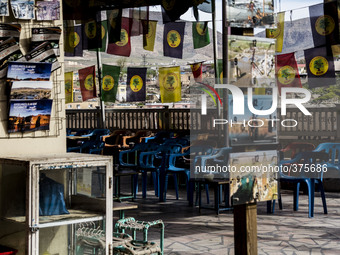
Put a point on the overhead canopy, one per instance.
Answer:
(84, 9)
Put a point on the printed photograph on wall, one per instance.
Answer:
(50, 34)
(48, 10)
(29, 115)
(251, 13)
(44, 53)
(29, 71)
(257, 185)
(4, 8)
(23, 9)
(252, 61)
(9, 51)
(252, 129)
(29, 90)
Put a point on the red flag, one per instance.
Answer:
(287, 73)
(87, 78)
(122, 47)
(196, 69)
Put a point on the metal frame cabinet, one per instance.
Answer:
(68, 162)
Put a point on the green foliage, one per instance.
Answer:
(135, 82)
(173, 37)
(318, 64)
(324, 23)
(170, 80)
(285, 73)
(329, 94)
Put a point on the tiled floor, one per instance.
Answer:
(285, 232)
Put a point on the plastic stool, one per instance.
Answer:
(133, 225)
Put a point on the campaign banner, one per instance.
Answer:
(87, 81)
(170, 84)
(68, 87)
(173, 39)
(73, 43)
(136, 83)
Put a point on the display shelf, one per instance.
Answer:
(75, 216)
(83, 180)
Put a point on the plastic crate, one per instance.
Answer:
(7, 251)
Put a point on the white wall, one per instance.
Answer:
(38, 142)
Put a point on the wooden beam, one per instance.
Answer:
(245, 229)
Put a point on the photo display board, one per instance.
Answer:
(253, 176)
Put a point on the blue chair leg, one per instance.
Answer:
(144, 183)
(135, 179)
(176, 185)
(269, 206)
(310, 188)
(226, 195)
(207, 192)
(155, 183)
(199, 197)
(322, 191)
(296, 196)
(280, 201)
(165, 187)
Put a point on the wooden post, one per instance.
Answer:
(337, 108)
(245, 229)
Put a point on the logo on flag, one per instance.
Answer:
(108, 83)
(286, 75)
(113, 15)
(324, 25)
(171, 82)
(173, 38)
(151, 30)
(89, 82)
(201, 28)
(90, 29)
(196, 66)
(103, 31)
(124, 38)
(136, 83)
(318, 66)
(73, 39)
(274, 32)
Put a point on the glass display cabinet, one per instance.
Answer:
(56, 204)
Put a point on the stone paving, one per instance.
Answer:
(285, 232)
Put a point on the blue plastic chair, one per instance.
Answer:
(160, 137)
(87, 147)
(130, 159)
(333, 151)
(158, 162)
(221, 157)
(303, 162)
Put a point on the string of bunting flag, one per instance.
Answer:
(113, 36)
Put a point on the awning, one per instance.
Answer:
(85, 9)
